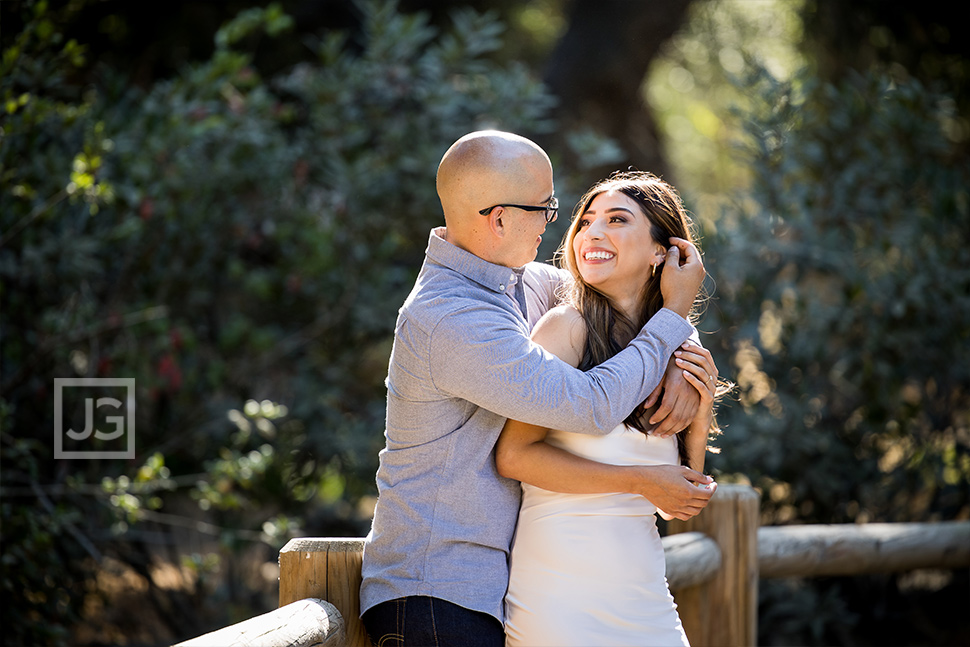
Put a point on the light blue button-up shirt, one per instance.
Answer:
(462, 363)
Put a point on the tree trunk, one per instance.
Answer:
(597, 71)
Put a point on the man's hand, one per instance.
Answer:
(679, 404)
(682, 276)
(679, 491)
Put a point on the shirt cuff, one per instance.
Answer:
(670, 327)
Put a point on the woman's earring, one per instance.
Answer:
(653, 270)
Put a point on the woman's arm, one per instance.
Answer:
(701, 373)
(522, 453)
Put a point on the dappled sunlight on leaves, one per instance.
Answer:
(240, 246)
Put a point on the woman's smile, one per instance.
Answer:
(596, 255)
(613, 246)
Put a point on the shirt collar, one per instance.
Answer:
(497, 278)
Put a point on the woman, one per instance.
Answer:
(588, 569)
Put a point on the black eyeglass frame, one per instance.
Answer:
(552, 207)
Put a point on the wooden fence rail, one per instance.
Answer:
(692, 558)
(823, 550)
(714, 562)
(304, 623)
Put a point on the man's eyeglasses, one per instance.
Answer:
(550, 209)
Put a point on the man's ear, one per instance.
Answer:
(496, 224)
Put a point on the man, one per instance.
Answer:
(435, 562)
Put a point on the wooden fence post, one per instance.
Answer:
(329, 569)
(724, 611)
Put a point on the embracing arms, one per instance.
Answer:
(481, 355)
(522, 454)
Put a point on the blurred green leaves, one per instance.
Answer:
(842, 311)
(851, 248)
(271, 18)
(240, 247)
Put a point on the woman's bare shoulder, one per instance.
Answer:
(561, 315)
(562, 332)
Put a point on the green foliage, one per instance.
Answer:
(822, 311)
(238, 245)
(689, 91)
(272, 18)
(43, 574)
(844, 284)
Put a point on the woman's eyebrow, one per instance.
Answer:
(610, 210)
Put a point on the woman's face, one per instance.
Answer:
(614, 247)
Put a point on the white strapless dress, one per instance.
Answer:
(587, 570)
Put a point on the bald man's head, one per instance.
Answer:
(491, 167)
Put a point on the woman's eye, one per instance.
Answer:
(617, 219)
(583, 223)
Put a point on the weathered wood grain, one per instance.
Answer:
(724, 610)
(304, 623)
(692, 558)
(326, 568)
(847, 549)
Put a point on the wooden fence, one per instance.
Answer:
(714, 562)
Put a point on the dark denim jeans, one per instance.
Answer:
(421, 621)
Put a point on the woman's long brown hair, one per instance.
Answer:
(607, 329)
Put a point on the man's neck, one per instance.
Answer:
(469, 243)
